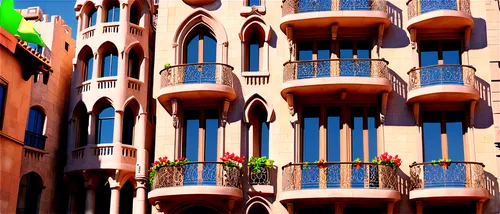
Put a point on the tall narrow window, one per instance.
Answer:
(253, 3)
(83, 124)
(134, 14)
(133, 65)
(310, 145)
(34, 130)
(126, 198)
(105, 125)
(128, 126)
(113, 13)
(333, 123)
(355, 58)
(313, 59)
(92, 18)
(260, 131)
(88, 67)
(109, 64)
(254, 45)
(440, 62)
(201, 48)
(3, 98)
(305, 53)
(363, 143)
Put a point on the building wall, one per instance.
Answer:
(14, 123)
(53, 99)
(401, 135)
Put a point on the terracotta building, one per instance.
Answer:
(20, 66)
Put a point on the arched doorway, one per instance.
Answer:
(126, 198)
(199, 209)
(102, 198)
(30, 190)
(257, 209)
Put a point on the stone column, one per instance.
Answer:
(118, 129)
(91, 129)
(140, 196)
(114, 206)
(141, 166)
(124, 15)
(90, 200)
(99, 16)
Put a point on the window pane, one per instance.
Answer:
(92, 18)
(36, 120)
(128, 126)
(346, 49)
(114, 65)
(451, 52)
(305, 52)
(333, 134)
(253, 3)
(116, 14)
(192, 126)
(89, 68)
(134, 15)
(254, 52)
(372, 133)
(310, 134)
(357, 132)
(428, 52)
(431, 131)
(211, 130)
(264, 139)
(105, 125)
(323, 67)
(455, 134)
(109, 17)
(106, 63)
(209, 48)
(192, 49)
(364, 49)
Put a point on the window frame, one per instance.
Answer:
(258, 38)
(86, 69)
(99, 124)
(110, 54)
(201, 31)
(90, 17)
(440, 50)
(201, 133)
(113, 8)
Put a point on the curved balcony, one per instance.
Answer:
(260, 182)
(442, 83)
(104, 156)
(365, 182)
(442, 14)
(458, 181)
(365, 76)
(324, 13)
(196, 180)
(197, 81)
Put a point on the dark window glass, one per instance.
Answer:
(254, 52)
(109, 65)
(451, 52)
(346, 49)
(92, 18)
(113, 14)
(128, 126)
(3, 97)
(211, 130)
(363, 48)
(134, 14)
(133, 65)
(429, 52)
(191, 136)
(88, 67)
(34, 130)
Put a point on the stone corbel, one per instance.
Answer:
(289, 208)
(381, 29)
(225, 109)
(472, 113)
(230, 205)
(413, 38)
(174, 45)
(289, 37)
(114, 180)
(95, 55)
(175, 106)
(343, 95)
(225, 44)
(291, 110)
(334, 30)
(383, 107)
(159, 206)
(416, 113)
(467, 38)
(339, 207)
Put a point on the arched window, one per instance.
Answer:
(92, 18)
(259, 130)
(257, 209)
(34, 130)
(113, 13)
(133, 65)
(105, 125)
(126, 198)
(201, 47)
(134, 14)
(30, 189)
(88, 67)
(109, 66)
(82, 119)
(253, 52)
(128, 126)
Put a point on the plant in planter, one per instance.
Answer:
(164, 162)
(387, 160)
(357, 163)
(256, 164)
(167, 65)
(231, 160)
(443, 162)
(321, 164)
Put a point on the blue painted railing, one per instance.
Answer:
(453, 175)
(442, 75)
(201, 73)
(305, 6)
(417, 7)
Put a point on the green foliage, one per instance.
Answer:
(441, 161)
(255, 163)
(357, 160)
(164, 162)
(167, 65)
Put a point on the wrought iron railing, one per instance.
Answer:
(209, 73)
(335, 68)
(456, 174)
(34, 140)
(304, 6)
(442, 74)
(196, 174)
(339, 175)
(263, 177)
(417, 7)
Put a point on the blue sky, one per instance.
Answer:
(63, 8)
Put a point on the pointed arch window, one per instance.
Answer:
(255, 36)
(113, 13)
(34, 131)
(105, 125)
(201, 48)
(82, 125)
(30, 190)
(88, 67)
(109, 65)
(253, 52)
(128, 126)
(134, 14)
(133, 65)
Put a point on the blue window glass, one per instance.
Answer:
(105, 125)
(363, 50)
(36, 47)
(109, 65)
(333, 145)
(34, 131)
(346, 54)
(128, 126)
(264, 139)
(310, 146)
(305, 53)
(209, 48)
(372, 132)
(211, 130)
(88, 68)
(455, 176)
(254, 52)
(205, 73)
(428, 52)
(431, 131)
(192, 128)
(451, 56)
(113, 14)
(357, 146)
(323, 65)
(253, 3)
(92, 18)
(192, 49)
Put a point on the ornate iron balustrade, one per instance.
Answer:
(34, 140)
(304, 6)
(442, 74)
(208, 73)
(339, 175)
(457, 174)
(260, 178)
(196, 174)
(417, 7)
(335, 68)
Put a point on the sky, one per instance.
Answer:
(63, 8)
